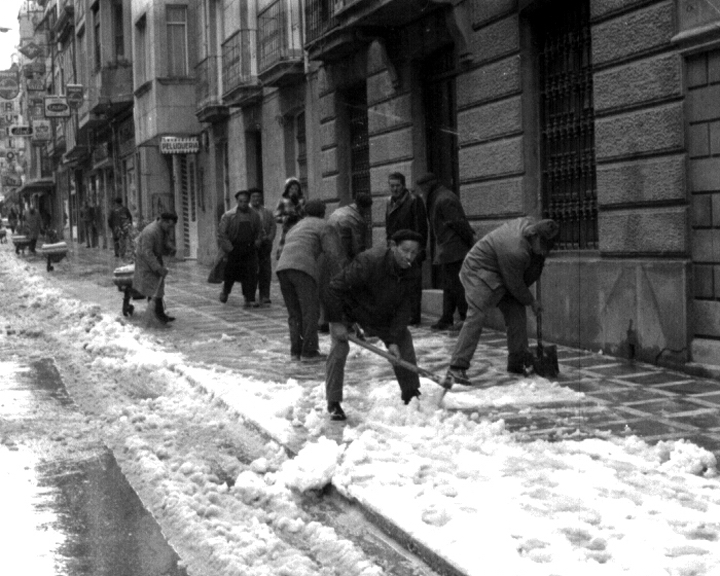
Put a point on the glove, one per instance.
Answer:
(394, 350)
(339, 331)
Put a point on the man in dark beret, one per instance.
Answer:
(498, 271)
(374, 291)
(239, 235)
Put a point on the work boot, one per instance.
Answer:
(519, 362)
(336, 411)
(223, 297)
(160, 311)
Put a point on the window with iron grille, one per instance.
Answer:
(569, 190)
(356, 102)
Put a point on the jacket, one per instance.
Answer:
(228, 236)
(119, 218)
(453, 234)
(269, 226)
(351, 230)
(152, 244)
(374, 292)
(408, 213)
(33, 225)
(304, 244)
(504, 258)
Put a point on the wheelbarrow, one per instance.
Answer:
(21, 242)
(123, 278)
(54, 253)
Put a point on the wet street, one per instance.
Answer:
(67, 508)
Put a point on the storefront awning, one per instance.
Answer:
(40, 186)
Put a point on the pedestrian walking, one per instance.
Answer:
(453, 239)
(120, 222)
(498, 271)
(239, 235)
(290, 209)
(87, 216)
(298, 271)
(152, 244)
(406, 211)
(375, 291)
(33, 227)
(269, 230)
(13, 220)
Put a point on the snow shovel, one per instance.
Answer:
(440, 380)
(545, 361)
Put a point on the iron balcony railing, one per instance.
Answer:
(207, 73)
(279, 37)
(319, 19)
(238, 53)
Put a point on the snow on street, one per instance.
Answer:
(459, 483)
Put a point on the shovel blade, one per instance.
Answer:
(545, 362)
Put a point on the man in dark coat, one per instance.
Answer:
(265, 249)
(153, 243)
(298, 271)
(453, 238)
(406, 211)
(374, 291)
(120, 223)
(33, 227)
(239, 235)
(498, 271)
(87, 215)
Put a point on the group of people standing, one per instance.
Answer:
(328, 273)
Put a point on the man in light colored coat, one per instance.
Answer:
(298, 271)
(153, 243)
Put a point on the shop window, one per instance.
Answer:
(569, 190)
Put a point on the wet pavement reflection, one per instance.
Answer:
(68, 510)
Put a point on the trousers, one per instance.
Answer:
(300, 293)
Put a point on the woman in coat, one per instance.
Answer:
(152, 244)
(289, 210)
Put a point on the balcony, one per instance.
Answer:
(210, 107)
(280, 53)
(337, 28)
(240, 82)
(111, 89)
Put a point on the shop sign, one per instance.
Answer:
(35, 85)
(9, 84)
(11, 181)
(56, 107)
(36, 108)
(177, 145)
(20, 130)
(30, 50)
(42, 131)
(75, 95)
(34, 68)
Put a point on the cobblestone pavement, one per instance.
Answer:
(622, 397)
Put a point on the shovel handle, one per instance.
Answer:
(397, 361)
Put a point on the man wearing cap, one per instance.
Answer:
(405, 210)
(374, 291)
(239, 235)
(453, 239)
(298, 271)
(153, 243)
(497, 272)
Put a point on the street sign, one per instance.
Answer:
(9, 84)
(75, 95)
(20, 130)
(56, 107)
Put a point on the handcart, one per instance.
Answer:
(123, 278)
(21, 242)
(54, 253)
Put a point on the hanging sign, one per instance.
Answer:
(9, 84)
(11, 181)
(56, 107)
(35, 85)
(42, 131)
(75, 95)
(36, 107)
(20, 130)
(177, 145)
(30, 50)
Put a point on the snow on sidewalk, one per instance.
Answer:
(458, 483)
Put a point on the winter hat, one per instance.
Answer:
(241, 192)
(169, 216)
(406, 234)
(288, 182)
(427, 177)
(315, 208)
(363, 200)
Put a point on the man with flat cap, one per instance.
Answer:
(239, 235)
(374, 291)
(153, 243)
(498, 271)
